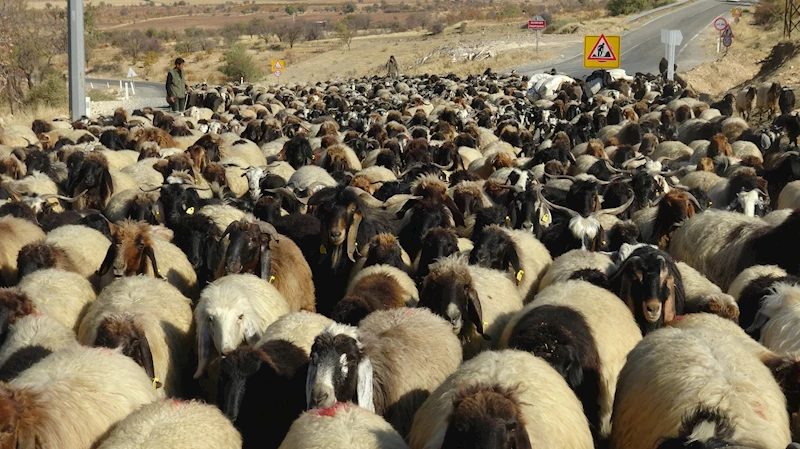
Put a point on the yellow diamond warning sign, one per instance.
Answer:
(278, 65)
(601, 52)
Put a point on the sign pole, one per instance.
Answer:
(77, 61)
(537, 43)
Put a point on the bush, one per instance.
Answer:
(349, 8)
(239, 64)
(437, 27)
(417, 20)
(52, 91)
(101, 95)
(769, 13)
(622, 7)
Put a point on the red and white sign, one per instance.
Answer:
(537, 24)
(720, 24)
(278, 73)
(602, 51)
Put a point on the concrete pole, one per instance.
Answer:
(77, 61)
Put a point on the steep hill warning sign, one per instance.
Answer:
(601, 52)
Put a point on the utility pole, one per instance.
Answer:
(77, 61)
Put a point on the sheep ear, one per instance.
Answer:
(203, 348)
(108, 261)
(365, 384)
(523, 440)
(352, 235)
(146, 357)
(311, 377)
(513, 260)
(26, 438)
(150, 254)
(474, 311)
(458, 217)
(251, 334)
(758, 322)
(668, 310)
(266, 261)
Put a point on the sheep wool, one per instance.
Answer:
(16, 233)
(342, 425)
(63, 295)
(174, 424)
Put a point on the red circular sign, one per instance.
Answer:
(720, 24)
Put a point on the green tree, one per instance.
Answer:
(622, 7)
(345, 34)
(291, 10)
(349, 8)
(239, 64)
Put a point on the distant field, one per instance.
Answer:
(130, 3)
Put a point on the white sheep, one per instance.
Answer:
(149, 312)
(589, 266)
(495, 390)
(176, 425)
(298, 328)
(85, 247)
(679, 384)
(234, 309)
(72, 398)
(703, 295)
(342, 425)
(754, 273)
(598, 333)
(63, 295)
(39, 334)
(16, 233)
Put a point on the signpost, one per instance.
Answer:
(671, 39)
(77, 69)
(736, 12)
(601, 52)
(536, 24)
(720, 23)
(278, 65)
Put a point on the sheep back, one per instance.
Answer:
(63, 295)
(174, 424)
(16, 233)
(292, 274)
(85, 246)
(703, 295)
(577, 264)
(342, 425)
(552, 414)
(39, 330)
(298, 328)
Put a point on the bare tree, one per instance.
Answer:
(290, 32)
(345, 34)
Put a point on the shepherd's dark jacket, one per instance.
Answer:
(176, 84)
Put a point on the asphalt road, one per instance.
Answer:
(642, 48)
(144, 89)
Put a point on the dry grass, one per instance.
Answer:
(26, 116)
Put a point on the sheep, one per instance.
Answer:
(360, 364)
(234, 309)
(477, 301)
(679, 386)
(257, 247)
(298, 328)
(16, 234)
(503, 249)
(789, 197)
(342, 425)
(383, 249)
(85, 247)
(150, 319)
(657, 224)
(136, 205)
(584, 332)
(135, 243)
(746, 102)
(30, 339)
(778, 316)
(494, 397)
(701, 295)
(72, 398)
(91, 172)
(174, 424)
(377, 287)
(63, 295)
(767, 97)
(649, 282)
(595, 268)
(743, 192)
(786, 100)
(222, 215)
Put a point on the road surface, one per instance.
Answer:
(642, 49)
(144, 89)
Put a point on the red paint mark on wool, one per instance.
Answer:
(176, 403)
(330, 411)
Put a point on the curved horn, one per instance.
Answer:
(617, 210)
(694, 200)
(443, 167)
(571, 178)
(544, 200)
(368, 199)
(153, 189)
(47, 196)
(617, 170)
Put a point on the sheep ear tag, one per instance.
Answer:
(323, 250)
(520, 273)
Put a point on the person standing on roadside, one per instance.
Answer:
(176, 87)
(391, 68)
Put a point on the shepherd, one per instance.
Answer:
(176, 87)
(391, 68)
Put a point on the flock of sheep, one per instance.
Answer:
(430, 262)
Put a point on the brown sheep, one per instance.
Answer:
(719, 147)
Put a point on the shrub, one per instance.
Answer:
(101, 95)
(622, 7)
(769, 13)
(52, 91)
(437, 27)
(239, 64)
(349, 8)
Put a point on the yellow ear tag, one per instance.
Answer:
(271, 279)
(156, 383)
(322, 249)
(485, 325)
(545, 218)
(190, 210)
(158, 214)
(710, 203)
(520, 273)
(508, 219)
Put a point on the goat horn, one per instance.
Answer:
(368, 199)
(47, 196)
(694, 200)
(617, 210)
(443, 167)
(544, 200)
(617, 170)
(571, 178)
(153, 189)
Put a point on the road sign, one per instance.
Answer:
(736, 13)
(727, 41)
(735, 20)
(601, 52)
(727, 32)
(671, 39)
(131, 73)
(277, 73)
(537, 23)
(720, 24)
(278, 65)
